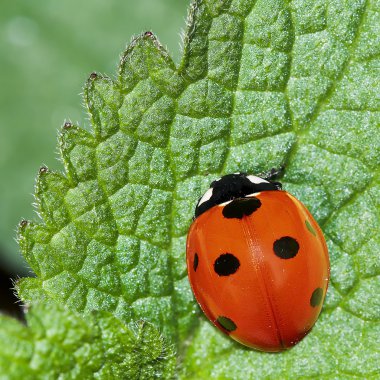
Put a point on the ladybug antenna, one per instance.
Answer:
(274, 173)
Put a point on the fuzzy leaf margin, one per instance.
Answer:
(58, 343)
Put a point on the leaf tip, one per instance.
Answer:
(67, 125)
(149, 34)
(43, 170)
(23, 223)
(94, 75)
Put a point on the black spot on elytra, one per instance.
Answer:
(226, 264)
(241, 207)
(232, 186)
(196, 262)
(316, 297)
(226, 323)
(286, 247)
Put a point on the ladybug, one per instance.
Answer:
(257, 262)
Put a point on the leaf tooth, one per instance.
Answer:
(146, 58)
(103, 99)
(29, 290)
(50, 188)
(77, 148)
(32, 239)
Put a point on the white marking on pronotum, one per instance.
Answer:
(206, 196)
(256, 180)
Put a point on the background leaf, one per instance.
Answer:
(260, 84)
(60, 344)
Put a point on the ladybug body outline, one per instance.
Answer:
(262, 265)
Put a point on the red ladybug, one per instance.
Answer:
(257, 262)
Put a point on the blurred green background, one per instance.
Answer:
(47, 51)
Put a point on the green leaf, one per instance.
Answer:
(261, 84)
(60, 344)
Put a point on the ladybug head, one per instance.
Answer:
(231, 186)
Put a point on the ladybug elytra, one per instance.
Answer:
(257, 262)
